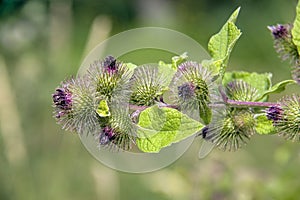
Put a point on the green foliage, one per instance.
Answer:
(296, 28)
(103, 109)
(130, 66)
(221, 44)
(205, 113)
(264, 125)
(177, 60)
(160, 127)
(168, 70)
(277, 88)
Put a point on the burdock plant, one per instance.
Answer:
(151, 107)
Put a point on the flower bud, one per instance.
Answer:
(280, 31)
(118, 133)
(62, 103)
(74, 106)
(231, 129)
(286, 117)
(110, 79)
(274, 113)
(239, 90)
(283, 42)
(193, 90)
(62, 99)
(110, 65)
(107, 135)
(147, 86)
(186, 91)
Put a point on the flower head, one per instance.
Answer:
(286, 117)
(110, 79)
(239, 90)
(193, 89)
(186, 91)
(283, 42)
(274, 113)
(147, 86)
(62, 99)
(230, 129)
(75, 105)
(280, 31)
(62, 103)
(110, 65)
(107, 135)
(119, 132)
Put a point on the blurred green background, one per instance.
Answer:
(42, 42)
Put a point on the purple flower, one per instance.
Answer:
(280, 31)
(62, 99)
(186, 91)
(107, 135)
(110, 65)
(283, 42)
(274, 113)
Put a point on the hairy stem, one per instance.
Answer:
(228, 102)
(250, 103)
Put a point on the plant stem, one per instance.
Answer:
(136, 107)
(250, 103)
(228, 102)
(235, 103)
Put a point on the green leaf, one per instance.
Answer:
(130, 66)
(103, 109)
(167, 71)
(234, 15)
(205, 113)
(296, 28)
(212, 65)
(221, 44)
(177, 60)
(264, 125)
(279, 87)
(262, 82)
(160, 127)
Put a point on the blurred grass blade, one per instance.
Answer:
(99, 32)
(10, 122)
